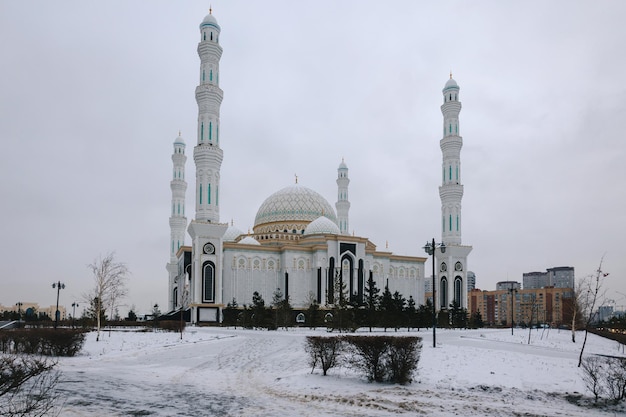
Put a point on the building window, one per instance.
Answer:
(458, 282)
(208, 282)
(443, 293)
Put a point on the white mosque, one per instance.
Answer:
(300, 244)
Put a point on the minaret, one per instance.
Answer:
(207, 154)
(452, 265)
(178, 221)
(343, 204)
(451, 190)
(206, 231)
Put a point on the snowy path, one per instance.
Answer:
(221, 372)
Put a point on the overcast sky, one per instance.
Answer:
(93, 94)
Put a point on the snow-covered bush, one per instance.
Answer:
(323, 351)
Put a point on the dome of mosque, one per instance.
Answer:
(295, 203)
(322, 226)
(232, 233)
(249, 240)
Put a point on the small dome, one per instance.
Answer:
(232, 233)
(343, 165)
(249, 240)
(179, 140)
(209, 20)
(322, 226)
(451, 84)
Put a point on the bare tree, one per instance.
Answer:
(27, 386)
(577, 301)
(110, 284)
(590, 301)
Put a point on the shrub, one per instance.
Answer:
(403, 357)
(605, 375)
(385, 358)
(325, 351)
(171, 325)
(43, 341)
(369, 355)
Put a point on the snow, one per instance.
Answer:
(235, 372)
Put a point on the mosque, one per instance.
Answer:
(300, 244)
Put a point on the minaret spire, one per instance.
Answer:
(451, 190)
(343, 204)
(207, 154)
(451, 264)
(178, 221)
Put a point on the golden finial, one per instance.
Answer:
(210, 9)
(179, 132)
(386, 244)
(296, 175)
(232, 222)
(450, 74)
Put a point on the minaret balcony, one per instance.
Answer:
(208, 153)
(451, 192)
(205, 92)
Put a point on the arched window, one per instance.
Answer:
(211, 35)
(201, 131)
(200, 193)
(204, 36)
(211, 75)
(458, 290)
(208, 282)
(208, 194)
(443, 293)
(210, 130)
(175, 298)
(300, 318)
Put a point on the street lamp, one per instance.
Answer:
(512, 291)
(59, 286)
(74, 305)
(430, 249)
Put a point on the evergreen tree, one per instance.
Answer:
(386, 309)
(425, 315)
(313, 311)
(372, 301)
(259, 311)
(230, 313)
(397, 309)
(282, 309)
(410, 313)
(342, 319)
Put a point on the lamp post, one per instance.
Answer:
(59, 286)
(430, 249)
(74, 305)
(512, 291)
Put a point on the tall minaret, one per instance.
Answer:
(343, 204)
(207, 154)
(178, 221)
(206, 231)
(452, 265)
(451, 190)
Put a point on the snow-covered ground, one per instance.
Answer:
(228, 372)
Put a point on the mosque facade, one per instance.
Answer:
(300, 244)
